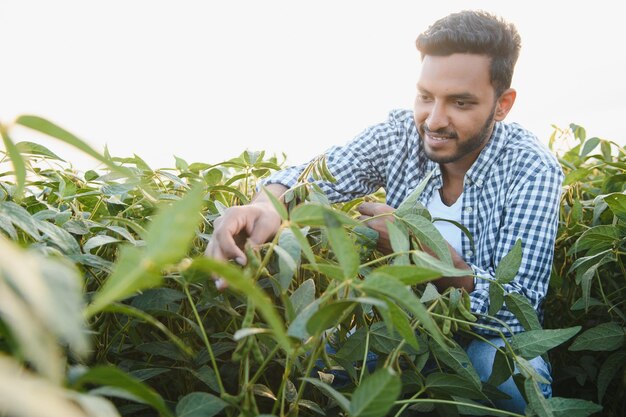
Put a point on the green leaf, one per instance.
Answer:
(572, 407)
(41, 302)
(330, 392)
(411, 202)
(617, 203)
(288, 250)
(329, 315)
(44, 126)
(331, 271)
(19, 167)
(496, 298)
(442, 383)
(402, 325)
(311, 406)
(199, 404)
(409, 274)
(523, 310)
(207, 376)
(602, 338)
(314, 214)
(382, 339)
(399, 239)
(211, 176)
(300, 235)
(576, 175)
(9, 229)
(114, 377)
(503, 367)
(354, 347)
(536, 400)
(21, 218)
(388, 285)
(298, 327)
(590, 145)
(59, 237)
(26, 394)
(97, 241)
(456, 359)
(172, 230)
(509, 265)
(342, 245)
(600, 238)
(141, 315)
(239, 281)
(424, 260)
(303, 296)
(132, 272)
(278, 205)
(608, 370)
(31, 148)
(429, 236)
(376, 394)
(181, 164)
(533, 343)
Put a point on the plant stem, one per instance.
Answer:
(404, 406)
(367, 347)
(261, 369)
(206, 340)
(309, 367)
(477, 406)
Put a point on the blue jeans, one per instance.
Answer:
(482, 355)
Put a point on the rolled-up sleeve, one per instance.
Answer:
(359, 166)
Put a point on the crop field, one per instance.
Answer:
(108, 306)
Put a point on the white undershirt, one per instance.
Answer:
(450, 232)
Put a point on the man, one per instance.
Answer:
(494, 178)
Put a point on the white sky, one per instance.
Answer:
(206, 80)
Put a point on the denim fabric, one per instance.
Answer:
(482, 355)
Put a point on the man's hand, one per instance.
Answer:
(256, 222)
(379, 214)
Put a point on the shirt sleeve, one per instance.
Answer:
(359, 166)
(531, 214)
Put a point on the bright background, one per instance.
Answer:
(206, 80)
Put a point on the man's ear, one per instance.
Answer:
(504, 104)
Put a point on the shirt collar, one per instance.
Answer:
(481, 167)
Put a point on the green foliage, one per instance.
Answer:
(108, 306)
(588, 284)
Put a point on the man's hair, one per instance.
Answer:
(475, 32)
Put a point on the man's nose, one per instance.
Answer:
(437, 118)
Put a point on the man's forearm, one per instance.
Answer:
(277, 190)
(466, 282)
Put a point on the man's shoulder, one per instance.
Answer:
(402, 119)
(526, 151)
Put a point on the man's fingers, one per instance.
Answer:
(374, 209)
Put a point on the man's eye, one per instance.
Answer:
(461, 103)
(423, 97)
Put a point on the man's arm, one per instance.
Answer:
(377, 212)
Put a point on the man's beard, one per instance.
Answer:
(465, 148)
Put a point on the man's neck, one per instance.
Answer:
(452, 185)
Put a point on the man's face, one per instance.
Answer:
(454, 107)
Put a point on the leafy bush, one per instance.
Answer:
(588, 284)
(107, 306)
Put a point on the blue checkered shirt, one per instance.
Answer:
(511, 192)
